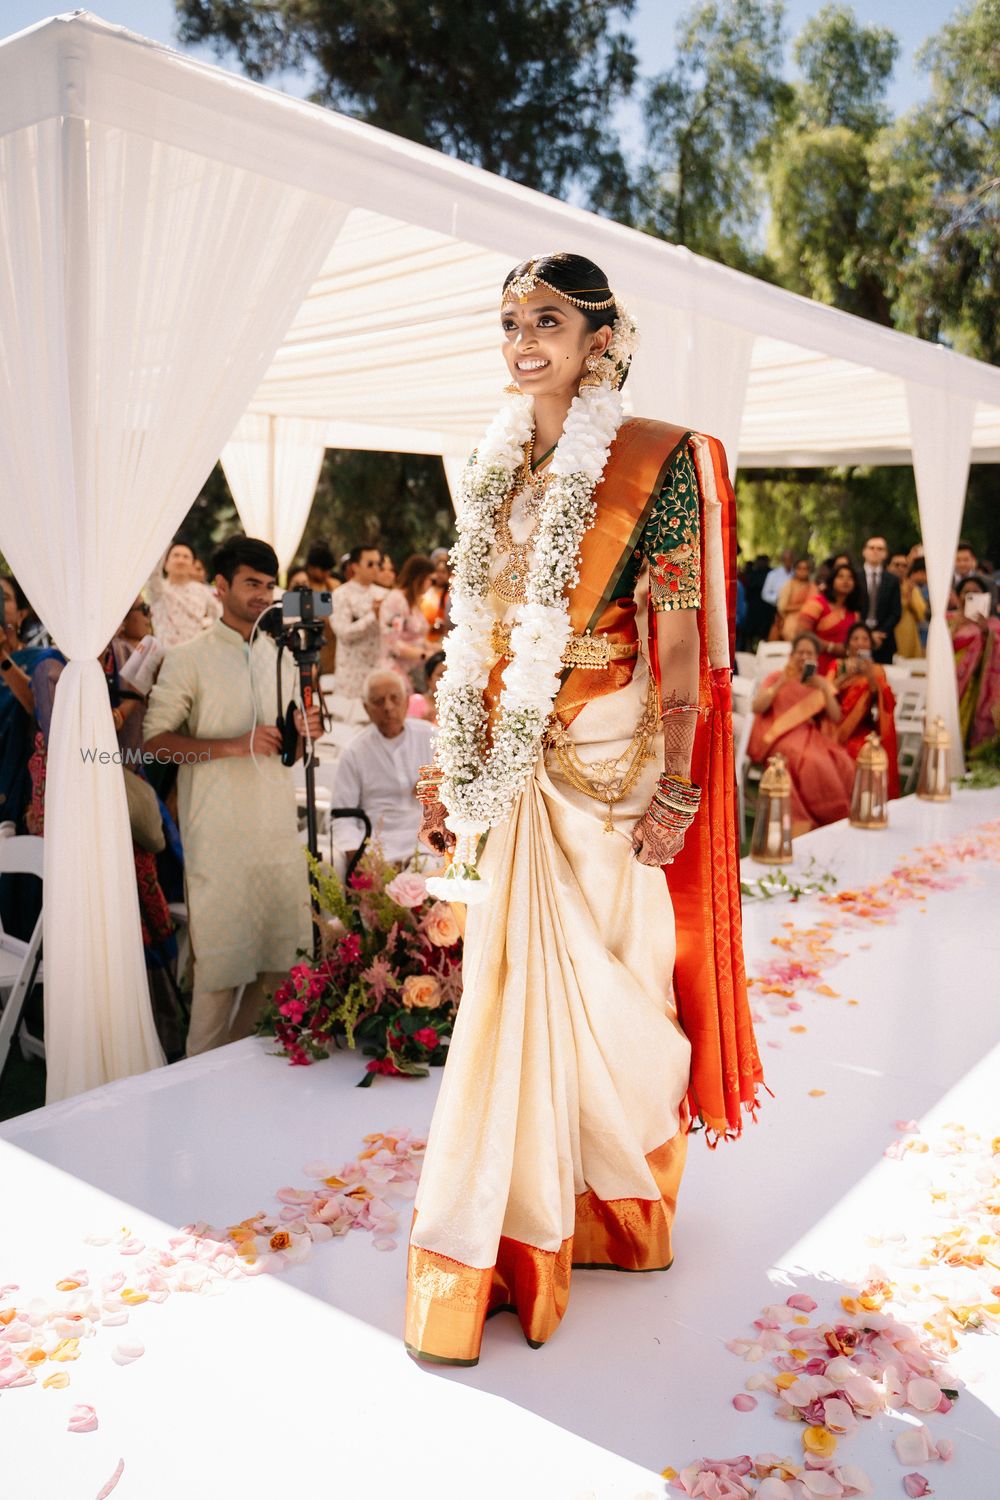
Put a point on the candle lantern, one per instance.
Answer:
(870, 795)
(771, 843)
(934, 784)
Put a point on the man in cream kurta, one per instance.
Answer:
(245, 873)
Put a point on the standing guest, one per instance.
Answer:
(198, 572)
(379, 769)
(298, 578)
(879, 604)
(908, 639)
(760, 615)
(435, 600)
(212, 711)
(386, 577)
(404, 625)
(975, 638)
(137, 624)
(358, 632)
(866, 701)
(773, 585)
(794, 711)
(424, 705)
(793, 595)
(17, 704)
(182, 607)
(831, 612)
(319, 575)
(966, 563)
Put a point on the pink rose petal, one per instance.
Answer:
(384, 1243)
(745, 1403)
(106, 1489)
(774, 1489)
(82, 1419)
(916, 1485)
(802, 1303)
(127, 1354)
(854, 1480)
(923, 1395)
(945, 1450)
(914, 1446)
(909, 1126)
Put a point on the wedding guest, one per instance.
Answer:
(423, 705)
(966, 564)
(435, 599)
(198, 572)
(17, 704)
(911, 631)
(772, 587)
(247, 889)
(404, 625)
(794, 710)
(760, 614)
(866, 701)
(975, 638)
(319, 575)
(879, 598)
(379, 769)
(830, 613)
(386, 577)
(298, 578)
(793, 595)
(358, 632)
(182, 607)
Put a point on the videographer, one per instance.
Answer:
(213, 711)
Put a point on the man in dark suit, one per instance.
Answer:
(881, 606)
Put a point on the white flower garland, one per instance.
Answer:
(479, 787)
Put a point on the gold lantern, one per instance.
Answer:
(934, 784)
(771, 843)
(870, 794)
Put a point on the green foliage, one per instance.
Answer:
(710, 120)
(820, 512)
(526, 88)
(846, 68)
(398, 501)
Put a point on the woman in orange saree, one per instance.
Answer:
(604, 1010)
(830, 613)
(866, 702)
(793, 711)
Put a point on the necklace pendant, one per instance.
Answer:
(509, 584)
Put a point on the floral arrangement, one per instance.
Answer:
(388, 979)
(479, 786)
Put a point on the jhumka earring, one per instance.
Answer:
(592, 377)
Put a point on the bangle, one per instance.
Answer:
(679, 708)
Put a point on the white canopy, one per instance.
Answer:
(178, 245)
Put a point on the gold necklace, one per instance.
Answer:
(608, 781)
(510, 584)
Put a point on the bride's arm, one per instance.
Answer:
(659, 834)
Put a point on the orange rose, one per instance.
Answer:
(421, 991)
(281, 1240)
(440, 925)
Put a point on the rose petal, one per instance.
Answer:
(774, 1489)
(945, 1450)
(923, 1395)
(916, 1485)
(126, 1354)
(745, 1403)
(854, 1480)
(82, 1419)
(913, 1446)
(106, 1489)
(57, 1381)
(802, 1303)
(384, 1243)
(819, 1482)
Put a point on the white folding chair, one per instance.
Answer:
(770, 656)
(916, 666)
(909, 719)
(746, 664)
(743, 689)
(20, 962)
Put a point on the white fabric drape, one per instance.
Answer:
(692, 370)
(143, 290)
(272, 465)
(941, 436)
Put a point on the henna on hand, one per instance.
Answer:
(433, 833)
(653, 844)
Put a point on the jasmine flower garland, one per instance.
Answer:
(480, 786)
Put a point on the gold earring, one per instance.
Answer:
(592, 377)
(513, 389)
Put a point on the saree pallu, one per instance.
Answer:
(821, 771)
(560, 1133)
(977, 670)
(866, 711)
(830, 623)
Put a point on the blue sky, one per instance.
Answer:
(653, 25)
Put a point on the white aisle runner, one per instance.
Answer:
(298, 1383)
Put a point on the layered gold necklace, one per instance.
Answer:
(510, 584)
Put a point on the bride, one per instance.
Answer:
(582, 754)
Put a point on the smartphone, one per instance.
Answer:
(809, 670)
(863, 655)
(977, 606)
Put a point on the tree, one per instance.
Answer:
(833, 206)
(821, 511)
(524, 88)
(397, 501)
(710, 119)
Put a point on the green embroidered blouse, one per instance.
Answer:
(670, 542)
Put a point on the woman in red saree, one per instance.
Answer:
(794, 710)
(830, 613)
(866, 702)
(975, 637)
(604, 1010)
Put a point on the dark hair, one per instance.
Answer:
(410, 574)
(20, 597)
(576, 277)
(805, 559)
(853, 600)
(354, 556)
(964, 546)
(918, 565)
(860, 625)
(982, 587)
(435, 660)
(244, 552)
(178, 541)
(807, 635)
(319, 555)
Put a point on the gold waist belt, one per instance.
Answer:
(586, 650)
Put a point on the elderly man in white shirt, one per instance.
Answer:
(379, 769)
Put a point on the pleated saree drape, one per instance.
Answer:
(560, 1134)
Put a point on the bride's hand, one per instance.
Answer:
(433, 833)
(654, 845)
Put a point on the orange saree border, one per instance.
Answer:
(448, 1303)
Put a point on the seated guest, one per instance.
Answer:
(830, 613)
(182, 607)
(911, 631)
(424, 705)
(975, 637)
(793, 708)
(379, 769)
(793, 595)
(866, 701)
(17, 705)
(404, 627)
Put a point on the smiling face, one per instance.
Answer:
(804, 652)
(546, 343)
(859, 640)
